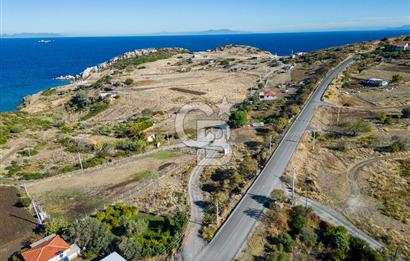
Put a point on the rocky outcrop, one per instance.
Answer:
(65, 78)
(132, 54)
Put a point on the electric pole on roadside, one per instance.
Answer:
(314, 138)
(217, 212)
(270, 144)
(293, 186)
(338, 115)
(81, 163)
(38, 214)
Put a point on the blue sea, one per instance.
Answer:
(28, 66)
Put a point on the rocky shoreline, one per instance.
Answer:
(101, 66)
(131, 54)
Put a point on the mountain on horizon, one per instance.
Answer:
(207, 32)
(31, 35)
(403, 27)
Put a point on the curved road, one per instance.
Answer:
(235, 231)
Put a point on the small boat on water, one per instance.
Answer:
(46, 41)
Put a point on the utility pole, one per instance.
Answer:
(40, 221)
(270, 144)
(81, 163)
(293, 185)
(167, 138)
(338, 115)
(314, 138)
(217, 212)
(306, 201)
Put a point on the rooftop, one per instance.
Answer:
(46, 249)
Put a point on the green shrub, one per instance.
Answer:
(277, 195)
(49, 92)
(238, 119)
(94, 161)
(79, 101)
(151, 57)
(95, 109)
(360, 250)
(27, 152)
(338, 239)
(25, 201)
(308, 236)
(113, 214)
(397, 78)
(91, 234)
(129, 248)
(56, 225)
(287, 241)
(360, 126)
(405, 113)
(129, 81)
(395, 147)
(384, 118)
(248, 167)
(404, 168)
(343, 148)
(298, 218)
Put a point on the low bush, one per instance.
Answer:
(129, 81)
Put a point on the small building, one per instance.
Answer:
(267, 96)
(375, 82)
(51, 248)
(257, 124)
(114, 256)
(156, 116)
(398, 47)
(149, 136)
(107, 96)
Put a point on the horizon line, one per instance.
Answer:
(203, 33)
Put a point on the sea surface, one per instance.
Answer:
(27, 66)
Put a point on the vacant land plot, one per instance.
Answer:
(75, 196)
(358, 174)
(17, 224)
(349, 89)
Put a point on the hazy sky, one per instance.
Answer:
(124, 17)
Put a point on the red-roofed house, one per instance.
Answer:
(51, 248)
(267, 96)
(157, 116)
(399, 46)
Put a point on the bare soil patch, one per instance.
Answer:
(17, 223)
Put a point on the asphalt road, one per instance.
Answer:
(236, 229)
(193, 242)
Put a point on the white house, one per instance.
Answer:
(114, 256)
(51, 248)
(375, 82)
(267, 96)
(149, 136)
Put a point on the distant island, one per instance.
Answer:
(207, 32)
(31, 35)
